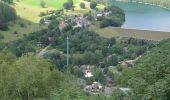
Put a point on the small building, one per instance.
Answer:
(46, 21)
(88, 75)
(125, 90)
(95, 87)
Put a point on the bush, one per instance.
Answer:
(43, 4)
(68, 5)
(8, 1)
(82, 5)
(22, 25)
(42, 14)
(15, 32)
(93, 5)
(1, 36)
(116, 18)
(3, 26)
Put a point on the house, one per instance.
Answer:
(99, 15)
(88, 74)
(95, 87)
(45, 21)
(87, 69)
(125, 90)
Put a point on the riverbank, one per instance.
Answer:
(110, 32)
(152, 4)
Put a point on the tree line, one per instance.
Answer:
(7, 13)
(162, 3)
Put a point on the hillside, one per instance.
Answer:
(150, 78)
(161, 3)
(76, 50)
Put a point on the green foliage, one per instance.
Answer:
(68, 5)
(27, 78)
(93, 5)
(7, 14)
(67, 92)
(43, 4)
(150, 78)
(99, 76)
(82, 5)
(1, 36)
(116, 19)
(8, 1)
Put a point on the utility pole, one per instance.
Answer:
(67, 50)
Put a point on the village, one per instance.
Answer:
(95, 86)
(110, 85)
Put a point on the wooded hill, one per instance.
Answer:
(150, 79)
(162, 3)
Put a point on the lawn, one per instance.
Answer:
(50, 3)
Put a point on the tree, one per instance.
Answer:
(112, 60)
(82, 5)
(27, 78)
(43, 4)
(150, 78)
(8, 1)
(68, 5)
(116, 18)
(99, 76)
(93, 5)
(7, 13)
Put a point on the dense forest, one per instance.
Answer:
(31, 77)
(7, 13)
(150, 78)
(162, 3)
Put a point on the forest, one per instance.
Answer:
(162, 3)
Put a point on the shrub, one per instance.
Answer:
(22, 25)
(43, 4)
(82, 5)
(3, 27)
(93, 5)
(15, 32)
(1, 36)
(68, 5)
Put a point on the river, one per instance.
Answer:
(145, 17)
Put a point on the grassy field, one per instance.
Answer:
(104, 32)
(30, 9)
(50, 3)
(16, 26)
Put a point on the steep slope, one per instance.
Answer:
(150, 79)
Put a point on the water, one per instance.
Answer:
(145, 17)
